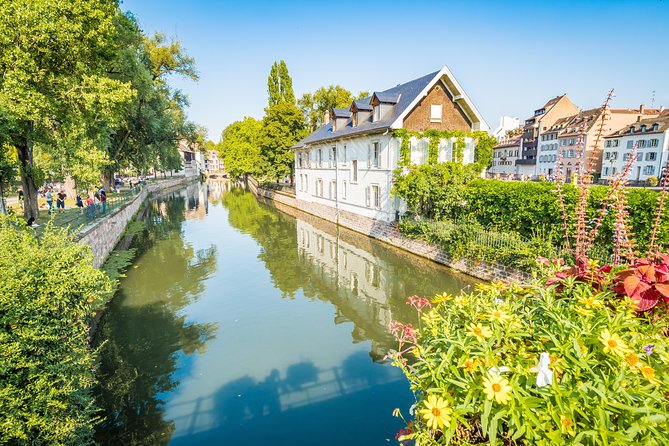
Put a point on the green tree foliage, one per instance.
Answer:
(240, 148)
(484, 148)
(47, 289)
(280, 85)
(7, 171)
(283, 126)
(155, 119)
(53, 85)
(314, 105)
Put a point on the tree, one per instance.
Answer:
(280, 84)
(53, 78)
(283, 126)
(240, 148)
(155, 119)
(7, 171)
(324, 99)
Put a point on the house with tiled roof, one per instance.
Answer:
(535, 127)
(651, 137)
(345, 168)
(505, 155)
(564, 135)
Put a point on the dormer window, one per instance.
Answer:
(632, 129)
(377, 113)
(354, 119)
(334, 125)
(656, 127)
(643, 128)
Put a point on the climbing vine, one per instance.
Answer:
(482, 152)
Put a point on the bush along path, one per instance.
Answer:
(579, 356)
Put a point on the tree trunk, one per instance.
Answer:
(3, 208)
(26, 166)
(108, 180)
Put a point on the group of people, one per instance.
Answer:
(97, 204)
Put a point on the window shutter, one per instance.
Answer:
(369, 156)
(367, 196)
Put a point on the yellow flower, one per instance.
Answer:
(498, 315)
(497, 388)
(396, 412)
(460, 300)
(443, 297)
(591, 302)
(479, 332)
(633, 361)
(430, 317)
(470, 364)
(436, 412)
(612, 343)
(649, 373)
(567, 425)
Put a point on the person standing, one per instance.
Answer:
(60, 200)
(21, 197)
(103, 200)
(49, 200)
(80, 203)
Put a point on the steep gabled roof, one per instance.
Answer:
(407, 95)
(361, 105)
(341, 113)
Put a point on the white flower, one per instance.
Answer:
(544, 374)
(498, 370)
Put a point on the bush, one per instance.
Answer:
(47, 287)
(529, 365)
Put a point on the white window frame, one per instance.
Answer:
(354, 171)
(436, 112)
(649, 170)
(343, 194)
(377, 112)
(333, 190)
(374, 196)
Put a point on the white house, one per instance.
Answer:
(506, 123)
(504, 157)
(652, 139)
(347, 165)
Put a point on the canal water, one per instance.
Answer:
(241, 324)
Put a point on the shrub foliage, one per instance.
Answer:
(47, 287)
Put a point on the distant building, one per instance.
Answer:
(542, 119)
(347, 165)
(212, 163)
(193, 158)
(563, 135)
(506, 124)
(652, 138)
(504, 158)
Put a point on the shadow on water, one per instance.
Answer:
(143, 334)
(293, 409)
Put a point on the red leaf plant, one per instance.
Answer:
(584, 271)
(646, 282)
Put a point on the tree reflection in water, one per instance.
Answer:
(143, 335)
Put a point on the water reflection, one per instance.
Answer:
(143, 335)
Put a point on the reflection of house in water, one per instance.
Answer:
(359, 281)
(216, 188)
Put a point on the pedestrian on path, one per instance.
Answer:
(49, 200)
(80, 204)
(60, 200)
(103, 200)
(21, 196)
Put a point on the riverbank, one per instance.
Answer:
(390, 234)
(104, 234)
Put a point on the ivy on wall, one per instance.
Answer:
(482, 152)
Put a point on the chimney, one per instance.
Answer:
(641, 109)
(326, 117)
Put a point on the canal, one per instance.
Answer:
(241, 324)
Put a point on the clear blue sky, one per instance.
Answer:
(509, 56)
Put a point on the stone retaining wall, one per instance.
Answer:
(388, 233)
(103, 235)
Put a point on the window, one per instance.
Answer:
(435, 113)
(656, 127)
(642, 143)
(374, 196)
(374, 155)
(354, 171)
(306, 183)
(333, 190)
(649, 170)
(354, 283)
(626, 156)
(606, 171)
(343, 191)
(334, 125)
(607, 155)
(651, 156)
(608, 143)
(643, 128)
(630, 144)
(319, 187)
(653, 143)
(319, 157)
(344, 155)
(377, 113)
(333, 156)
(615, 143)
(563, 142)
